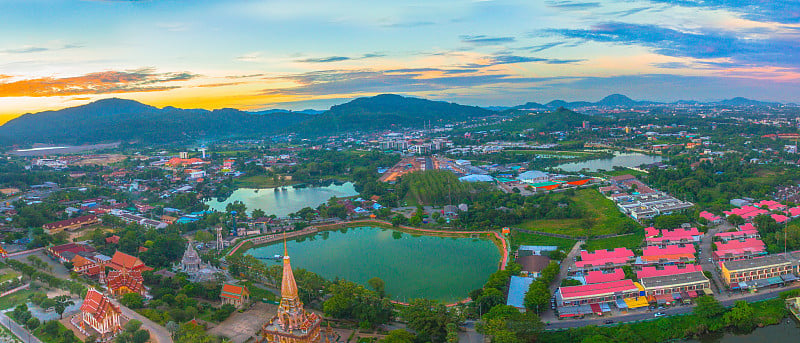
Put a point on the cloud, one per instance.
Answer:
(339, 58)
(542, 47)
(629, 12)
(342, 82)
(779, 11)
(486, 40)
(702, 44)
(671, 65)
(513, 59)
(27, 49)
(573, 5)
(142, 80)
(409, 24)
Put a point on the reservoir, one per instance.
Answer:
(439, 268)
(627, 160)
(285, 200)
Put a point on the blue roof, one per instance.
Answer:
(476, 178)
(516, 291)
(539, 247)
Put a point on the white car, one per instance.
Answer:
(659, 314)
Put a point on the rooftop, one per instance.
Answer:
(670, 280)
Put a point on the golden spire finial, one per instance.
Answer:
(285, 249)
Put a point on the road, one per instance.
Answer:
(705, 255)
(470, 335)
(19, 331)
(157, 332)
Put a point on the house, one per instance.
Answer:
(121, 282)
(604, 259)
(235, 295)
(123, 261)
(674, 284)
(673, 269)
(676, 236)
(665, 255)
(71, 224)
(599, 276)
(594, 295)
(710, 217)
(532, 265)
(100, 315)
(738, 249)
(516, 291)
(66, 252)
(86, 266)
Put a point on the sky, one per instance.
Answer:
(298, 54)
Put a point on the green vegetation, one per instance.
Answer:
(434, 187)
(599, 216)
(518, 238)
(631, 241)
(352, 301)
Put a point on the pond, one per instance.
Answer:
(786, 331)
(439, 268)
(626, 160)
(285, 200)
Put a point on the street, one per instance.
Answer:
(19, 331)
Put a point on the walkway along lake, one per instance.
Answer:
(413, 266)
(284, 200)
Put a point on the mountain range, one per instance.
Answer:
(128, 120)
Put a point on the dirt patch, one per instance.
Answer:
(101, 160)
(240, 326)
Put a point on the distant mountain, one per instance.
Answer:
(617, 100)
(740, 101)
(277, 110)
(496, 108)
(128, 120)
(530, 106)
(387, 111)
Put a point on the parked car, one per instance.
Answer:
(660, 314)
(609, 321)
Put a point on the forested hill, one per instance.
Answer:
(561, 119)
(388, 111)
(127, 120)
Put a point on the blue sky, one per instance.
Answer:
(297, 54)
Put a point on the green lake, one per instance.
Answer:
(412, 266)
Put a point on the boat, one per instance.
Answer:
(793, 304)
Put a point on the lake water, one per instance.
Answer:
(283, 202)
(444, 269)
(619, 160)
(787, 331)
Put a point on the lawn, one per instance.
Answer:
(14, 299)
(523, 238)
(631, 241)
(7, 274)
(623, 172)
(603, 214)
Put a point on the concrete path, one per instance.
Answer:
(18, 330)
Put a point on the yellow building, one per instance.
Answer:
(758, 272)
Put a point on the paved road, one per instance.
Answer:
(569, 262)
(18, 330)
(157, 332)
(470, 335)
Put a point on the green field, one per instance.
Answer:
(7, 274)
(523, 238)
(14, 299)
(601, 214)
(629, 241)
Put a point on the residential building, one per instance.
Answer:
(71, 224)
(672, 269)
(669, 254)
(600, 276)
(604, 259)
(676, 283)
(596, 293)
(760, 272)
(738, 249)
(532, 265)
(516, 291)
(66, 252)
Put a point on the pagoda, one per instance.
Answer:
(292, 324)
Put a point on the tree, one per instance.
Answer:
(258, 213)
(429, 319)
(398, 336)
(378, 285)
(505, 323)
(62, 302)
(740, 317)
(172, 327)
(132, 300)
(490, 297)
(32, 323)
(735, 219)
(203, 236)
(538, 297)
(708, 307)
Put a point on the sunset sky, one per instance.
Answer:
(300, 54)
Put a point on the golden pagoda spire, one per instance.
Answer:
(288, 284)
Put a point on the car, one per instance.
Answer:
(609, 321)
(659, 314)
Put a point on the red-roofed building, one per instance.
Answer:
(738, 249)
(727, 236)
(651, 232)
(779, 218)
(604, 259)
(85, 266)
(771, 205)
(676, 236)
(67, 252)
(596, 293)
(710, 217)
(177, 162)
(747, 227)
(71, 224)
(668, 254)
(235, 295)
(112, 240)
(671, 269)
(746, 212)
(598, 276)
(123, 261)
(121, 282)
(99, 314)
(794, 212)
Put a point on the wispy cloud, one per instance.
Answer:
(142, 80)
(486, 40)
(573, 5)
(701, 44)
(330, 59)
(27, 49)
(778, 11)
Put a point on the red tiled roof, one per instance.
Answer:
(232, 291)
(736, 247)
(97, 305)
(117, 279)
(668, 270)
(598, 289)
(121, 261)
(597, 276)
(72, 221)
